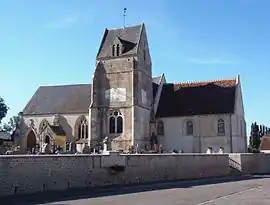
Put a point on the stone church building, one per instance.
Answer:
(130, 107)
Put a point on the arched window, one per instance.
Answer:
(112, 123)
(119, 124)
(160, 128)
(115, 123)
(221, 127)
(189, 128)
(82, 128)
(113, 50)
(117, 50)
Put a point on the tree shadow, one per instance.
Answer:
(68, 129)
(85, 193)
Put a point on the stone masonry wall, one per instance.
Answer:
(39, 173)
(248, 163)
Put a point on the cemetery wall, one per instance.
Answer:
(21, 174)
(248, 163)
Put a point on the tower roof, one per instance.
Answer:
(128, 35)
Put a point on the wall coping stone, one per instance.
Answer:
(51, 155)
(177, 154)
(118, 154)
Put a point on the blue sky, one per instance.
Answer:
(50, 42)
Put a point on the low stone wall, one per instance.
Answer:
(29, 174)
(249, 163)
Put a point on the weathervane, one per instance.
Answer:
(124, 16)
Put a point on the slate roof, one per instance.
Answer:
(197, 98)
(157, 79)
(155, 84)
(5, 135)
(130, 36)
(58, 130)
(62, 99)
(155, 89)
(181, 99)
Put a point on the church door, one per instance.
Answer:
(31, 140)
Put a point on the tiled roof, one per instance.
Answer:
(265, 143)
(197, 98)
(130, 36)
(60, 99)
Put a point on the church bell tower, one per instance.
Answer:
(122, 89)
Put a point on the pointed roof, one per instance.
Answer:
(129, 36)
(59, 99)
(197, 98)
(157, 79)
(58, 130)
(155, 83)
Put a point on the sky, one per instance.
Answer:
(50, 42)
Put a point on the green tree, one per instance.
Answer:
(3, 109)
(13, 123)
(255, 137)
(268, 131)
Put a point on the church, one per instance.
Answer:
(130, 107)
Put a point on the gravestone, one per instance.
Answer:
(160, 149)
(209, 150)
(137, 149)
(86, 150)
(221, 150)
(105, 145)
(46, 148)
(72, 147)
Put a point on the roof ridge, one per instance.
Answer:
(205, 81)
(62, 85)
(126, 27)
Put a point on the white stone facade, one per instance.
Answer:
(205, 131)
(68, 122)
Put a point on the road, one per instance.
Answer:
(249, 190)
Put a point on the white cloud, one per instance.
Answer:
(62, 23)
(212, 61)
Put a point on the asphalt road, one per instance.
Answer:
(249, 190)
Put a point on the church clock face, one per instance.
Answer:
(116, 94)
